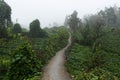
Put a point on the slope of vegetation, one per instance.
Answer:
(43, 48)
(84, 65)
(23, 53)
(95, 53)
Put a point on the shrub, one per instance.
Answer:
(24, 63)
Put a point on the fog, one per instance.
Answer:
(54, 11)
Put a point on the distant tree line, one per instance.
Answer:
(6, 25)
(110, 17)
(92, 26)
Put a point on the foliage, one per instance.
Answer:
(73, 21)
(5, 18)
(109, 16)
(94, 55)
(35, 30)
(3, 47)
(59, 37)
(100, 33)
(3, 32)
(5, 12)
(4, 64)
(101, 64)
(17, 28)
(111, 42)
(21, 60)
(47, 47)
(103, 42)
(44, 49)
(24, 63)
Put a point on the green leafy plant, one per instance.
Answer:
(24, 63)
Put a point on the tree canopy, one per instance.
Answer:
(73, 21)
(17, 28)
(5, 18)
(35, 29)
(5, 12)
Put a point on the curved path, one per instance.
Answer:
(55, 70)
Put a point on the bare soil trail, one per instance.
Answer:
(55, 70)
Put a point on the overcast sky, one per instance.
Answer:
(50, 11)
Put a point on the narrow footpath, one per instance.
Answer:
(55, 70)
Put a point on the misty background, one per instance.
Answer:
(53, 12)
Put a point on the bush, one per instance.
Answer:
(24, 63)
(83, 64)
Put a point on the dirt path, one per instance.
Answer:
(56, 70)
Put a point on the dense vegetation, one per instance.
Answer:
(24, 53)
(94, 54)
(21, 50)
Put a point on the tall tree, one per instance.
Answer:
(73, 21)
(5, 13)
(109, 16)
(5, 18)
(17, 28)
(35, 29)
